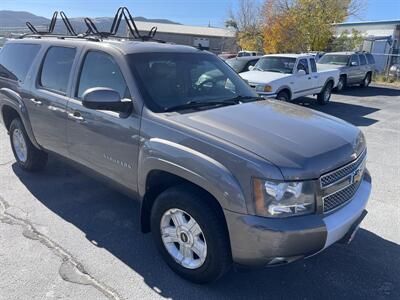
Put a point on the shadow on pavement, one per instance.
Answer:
(368, 268)
(357, 91)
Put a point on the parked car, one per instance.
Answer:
(289, 76)
(354, 67)
(394, 71)
(221, 176)
(317, 54)
(242, 64)
(248, 53)
(225, 56)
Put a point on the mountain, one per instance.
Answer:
(10, 18)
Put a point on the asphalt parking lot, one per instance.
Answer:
(65, 236)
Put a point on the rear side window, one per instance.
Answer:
(56, 69)
(363, 60)
(100, 70)
(313, 65)
(370, 58)
(16, 60)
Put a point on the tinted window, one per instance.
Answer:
(303, 65)
(313, 65)
(370, 58)
(237, 64)
(354, 58)
(57, 68)
(100, 70)
(171, 79)
(363, 61)
(16, 59)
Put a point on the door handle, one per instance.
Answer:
(76, 116)
(36, 102)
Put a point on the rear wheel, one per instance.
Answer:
(283, 96)
(26, 154)
(366, 81)
(190, 232)
(325, 95)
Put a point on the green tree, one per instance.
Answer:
(347, 41)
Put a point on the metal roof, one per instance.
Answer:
(185, 29)
(368, 23)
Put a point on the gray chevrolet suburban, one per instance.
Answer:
(223, 177)
(354, 67)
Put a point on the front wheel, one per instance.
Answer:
(283, 96)
(325, 95)
(190, 232)
(341, 84)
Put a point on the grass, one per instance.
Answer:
(385, 80)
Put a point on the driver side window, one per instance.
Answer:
(100, 70)
(303, 65)
(354, 59)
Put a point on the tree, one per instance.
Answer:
(347, 41)
(303, 25)
(247, 22)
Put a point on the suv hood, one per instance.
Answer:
(301, 142)
(262, 77)
(329, 67)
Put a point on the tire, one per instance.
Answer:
(28, 157)
(366, 81)
(325, 95)
(283, 96)
(196, 207)
(341, 84)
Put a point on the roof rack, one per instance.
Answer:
(122, 12)
(93, 33)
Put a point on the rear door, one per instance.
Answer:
(104, 141)
(363, 66)
(48, 102)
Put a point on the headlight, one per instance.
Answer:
(264, 88)
(283, 199)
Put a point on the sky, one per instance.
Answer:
(189, 12)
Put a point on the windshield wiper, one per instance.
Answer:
(199, 104)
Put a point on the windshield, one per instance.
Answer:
(171, 79)
(276, 64)
(236, 64)
(334, 59)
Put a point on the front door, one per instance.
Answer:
(48, 102)
(355, 73)
(303, 82)
(105, 141)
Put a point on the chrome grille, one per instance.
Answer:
(342, 196)
(336, 175)
(335, 194)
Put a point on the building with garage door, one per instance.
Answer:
(214, 39)
(381, 38)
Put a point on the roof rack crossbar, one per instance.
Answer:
(68, 24)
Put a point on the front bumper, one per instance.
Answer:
(259, 241)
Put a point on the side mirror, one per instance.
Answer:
(105, 99)
(301, 72)
(251, 68)
(354, 64)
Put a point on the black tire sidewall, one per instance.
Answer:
(218, 249)
(282, 96)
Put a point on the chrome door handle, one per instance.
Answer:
(76, 116)
(36, 102)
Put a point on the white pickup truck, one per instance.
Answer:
(289, 76)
